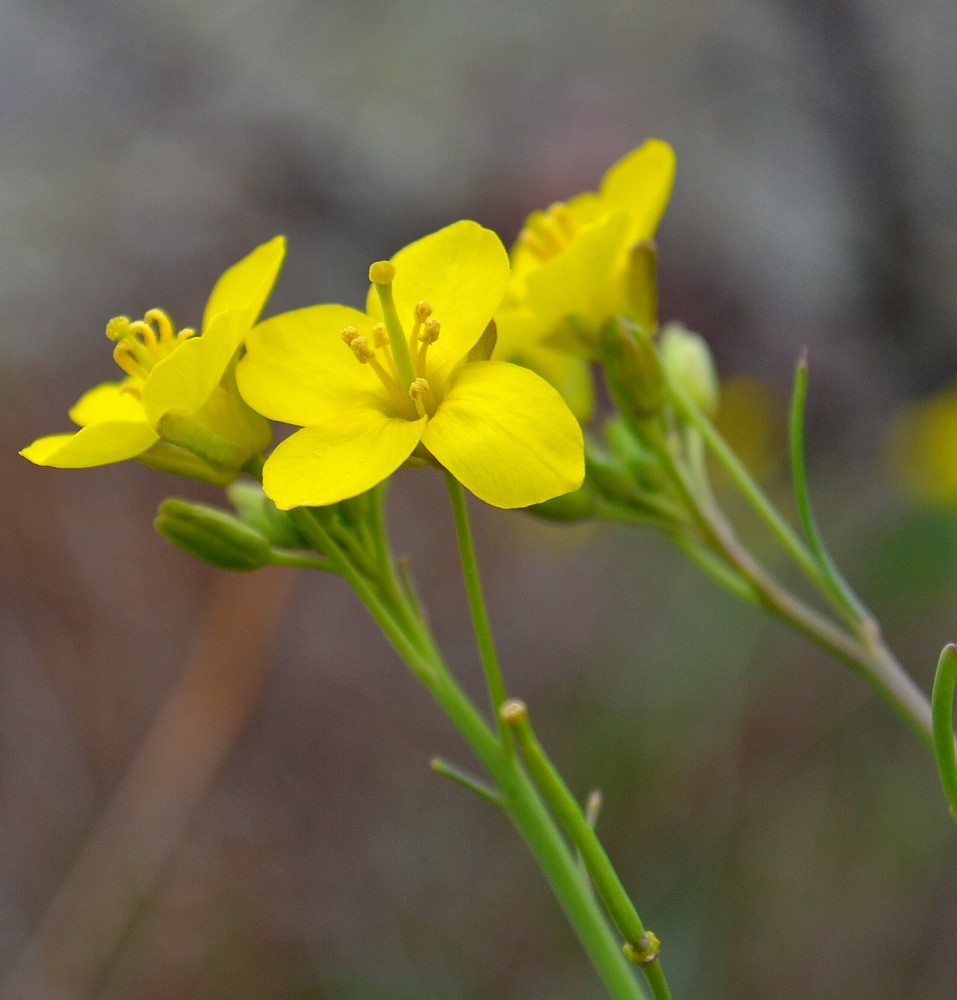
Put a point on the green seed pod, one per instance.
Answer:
(212, 535)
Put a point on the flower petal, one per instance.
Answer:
(343, 456)
(576, 282)
(462, 271)
(246, 285)
(108, 401)
(185, 379)
(640, 184)
(506, 435)
(96, 444)
(298, 370)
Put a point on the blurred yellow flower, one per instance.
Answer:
(579, 263)
(178, 408)
(923, 446)
(411, 383)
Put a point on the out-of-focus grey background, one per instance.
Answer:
(781, 832)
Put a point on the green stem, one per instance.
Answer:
(865, 653)
(749, 490)
(519, 799)
(839, 592)
(641, 946)
(473, 587)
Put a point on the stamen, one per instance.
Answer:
(417, 390)
(163, 323)
(379, 336)
(428, 336)
(349, 334)
(547, 233)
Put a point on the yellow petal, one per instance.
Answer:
(297, 368)
(108, 401)
(640, 184)
(577, 281)
(343, 456)
(506, 435)
(185, 379)
(246, 285)
(462, 271)
(97, 444)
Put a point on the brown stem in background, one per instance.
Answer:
(170, 774)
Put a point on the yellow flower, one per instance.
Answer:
(409, 380)
(923, 447)
(178, 408)
(580, 263)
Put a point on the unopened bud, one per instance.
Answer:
(633, 370)
(690, 365)
(574, 506)
(212, 535)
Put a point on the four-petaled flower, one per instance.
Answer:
(178, 408)
(582, 262)
(409, 380)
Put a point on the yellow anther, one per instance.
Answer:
(361, 349)
(417, 391)
(547, 233)
(382, 272)
(380, 336)
(423, 310)
(349, 334)
(431, 332)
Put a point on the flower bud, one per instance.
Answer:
(257, 512)
(690, 365)
(212, 535)
(633, 370)
(574, 506)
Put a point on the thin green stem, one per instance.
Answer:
(392, 611)
(839, 592)
(642, 946)
(748, 488)
(865, 653)
(473, 588)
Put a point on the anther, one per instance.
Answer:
(361, 349)
(423, 310)
(431, 332)
(349, 334)
(379, 335)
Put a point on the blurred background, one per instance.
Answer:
(217, 786)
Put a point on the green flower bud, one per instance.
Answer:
(633, 370)
(259, 513)
(212, 535)
(574, 506)
(690, 365)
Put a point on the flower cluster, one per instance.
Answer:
(462, 359)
